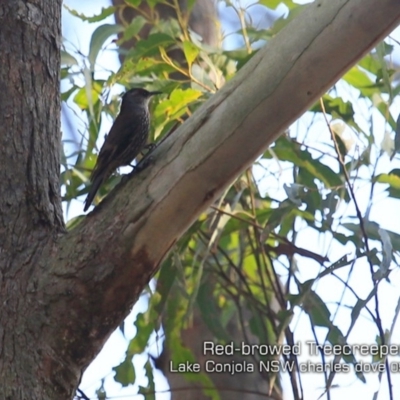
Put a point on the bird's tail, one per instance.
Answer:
(93, 190)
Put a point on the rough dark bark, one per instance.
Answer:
(63, 294)
(30, 202)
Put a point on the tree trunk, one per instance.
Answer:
(30, 203)
(62, 294)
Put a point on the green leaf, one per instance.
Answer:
(397, 137)
(144, 329)
(370, 64)
(134, 3)
(392, 179)
(286, 150)
(153, 3)
(68, 59)
(261, 327)
(383, 75)
(255, 34)
(65, 95)
(150, 46)
(165, 283)
(149, 391)
(125, 373)
(274, 4)
(360, 80)
(100, 35)
(133, 28)
(175, 106)
(191, 51)
(372, 231)
(135, 69)
(105, 12)
(210, 312)
(336, 107)
(317, 310)
(181, 354)
(81, 98)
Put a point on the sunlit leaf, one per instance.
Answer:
(191, 51)
(360, 80)
(150, 46)
(81, 98)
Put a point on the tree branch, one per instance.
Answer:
(104, 264)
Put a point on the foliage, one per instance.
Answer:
(243, 262)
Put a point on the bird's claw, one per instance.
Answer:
(148, 148)
(145, 163)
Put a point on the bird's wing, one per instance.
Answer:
(121, 131)
(115, 142)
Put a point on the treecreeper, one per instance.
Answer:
(127, 138)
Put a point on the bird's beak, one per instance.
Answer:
(154, 93)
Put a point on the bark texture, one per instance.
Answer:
(62, 294)
(30, 202)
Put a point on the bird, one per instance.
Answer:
(127, 138)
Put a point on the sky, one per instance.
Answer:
(78, 35)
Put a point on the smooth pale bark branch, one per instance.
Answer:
(63, 297)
